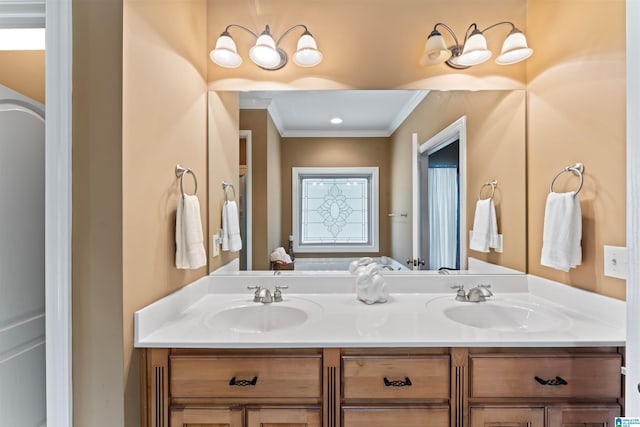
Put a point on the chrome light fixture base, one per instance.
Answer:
(266, 53)
(473, 49)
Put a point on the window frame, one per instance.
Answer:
(371, 173)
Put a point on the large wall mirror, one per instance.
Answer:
(277, 132)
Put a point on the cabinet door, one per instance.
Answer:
(372, 416)
(507, 416)
(206, 417)
(576, 416)
(284, 417)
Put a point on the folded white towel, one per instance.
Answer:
(485, 227)
(190, 253)
(562, 232)
(280, 255)
(231, 240)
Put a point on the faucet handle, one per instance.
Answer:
(460, 294)
(256, 296)
(277, 294)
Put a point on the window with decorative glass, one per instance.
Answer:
(335, 209)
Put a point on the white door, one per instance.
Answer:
(22, 318)
(454, 132)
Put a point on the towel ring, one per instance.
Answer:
(180, 173)
(493, 184)
(225, 187)
(577, 170)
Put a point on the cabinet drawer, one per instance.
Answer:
(379, 377)
(245, 376)
(568, 376)
(400, 416)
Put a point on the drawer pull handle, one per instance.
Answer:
(243, 383)
(398, 383)
(554, 382)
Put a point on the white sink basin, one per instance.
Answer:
(499, 313)
(255, 318)
(507, 316)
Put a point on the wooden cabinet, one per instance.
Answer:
(240, 388)
(507, 416)
(546, 388)
(386, 416)
(387, 388)
(206, 417)
(380, 387)
(285, 417)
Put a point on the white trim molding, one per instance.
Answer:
(58, 213)
(22, 13)
(632, 387)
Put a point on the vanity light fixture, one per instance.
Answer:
(336, 120)
(473, 50)
(265, 53)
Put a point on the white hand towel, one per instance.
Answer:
(279, 254)
(562, 232)
(190, 253)
(231, 240)
(485, 227)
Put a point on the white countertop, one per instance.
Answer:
(414, 316)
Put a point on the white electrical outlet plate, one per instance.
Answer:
(615, 261)
(215, 248)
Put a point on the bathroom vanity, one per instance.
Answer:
(532, 355)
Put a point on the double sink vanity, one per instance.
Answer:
(534, 353)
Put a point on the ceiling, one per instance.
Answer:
(364, 113)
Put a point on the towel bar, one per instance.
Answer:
(577, 170)
(493, 184)
(180, 172)
(225, 187)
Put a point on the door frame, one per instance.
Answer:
(58, 130)
(632, 383)
(248, 196)
(456, 130)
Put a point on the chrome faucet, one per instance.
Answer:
(262, 295)
(478, 294)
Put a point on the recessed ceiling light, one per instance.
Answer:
(336, 120)
(22, 39)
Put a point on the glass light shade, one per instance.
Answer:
(225, 53)
(307, 53)
(514, 48)
(435, 50)
(264, 52)
(475, 50)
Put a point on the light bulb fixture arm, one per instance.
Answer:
(499, 23)
(226, 30)
(306, 31)
(446, 27)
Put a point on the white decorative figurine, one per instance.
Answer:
(370, 285)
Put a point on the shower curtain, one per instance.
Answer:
(442, 195)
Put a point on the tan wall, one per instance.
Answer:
(495, 150)
(224, 161)
(257, 122)
(374, 44)
(274, 186)
(23, 71)
(97, 230)
(337, 152)
(576, 113)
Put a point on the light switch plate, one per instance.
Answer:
(615, 261)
